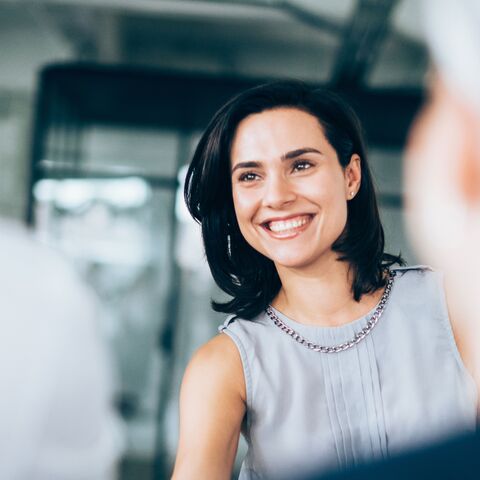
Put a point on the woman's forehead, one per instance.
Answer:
(276, 132)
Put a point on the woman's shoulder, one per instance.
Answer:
(247, 335)
(215, 352)
(414, 276)
(412, 269)
(420, 285)
(217, 363)
(234, 323)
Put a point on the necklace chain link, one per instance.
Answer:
(343, 346)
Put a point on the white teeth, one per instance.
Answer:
(283, 226)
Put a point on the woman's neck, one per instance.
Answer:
(322, 297)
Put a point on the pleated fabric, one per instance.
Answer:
(401, 387)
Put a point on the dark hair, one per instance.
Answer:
(238, 269)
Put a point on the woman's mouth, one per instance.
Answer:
(288, 228)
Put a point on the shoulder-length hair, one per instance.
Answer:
(249, 277)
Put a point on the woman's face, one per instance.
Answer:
(290, 192)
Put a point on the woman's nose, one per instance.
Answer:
(278, 192)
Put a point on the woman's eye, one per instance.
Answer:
(301, 165)
(248, 177)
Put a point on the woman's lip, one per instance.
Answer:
(288, 218)
(293, 231)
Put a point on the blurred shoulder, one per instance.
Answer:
(40, 287)
(21, 253)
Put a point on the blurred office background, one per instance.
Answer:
(101, 105)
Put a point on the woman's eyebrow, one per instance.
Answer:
(245, 165)
(298, 152)
(286, 156)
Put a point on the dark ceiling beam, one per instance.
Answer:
(115, 94)
(361, 43)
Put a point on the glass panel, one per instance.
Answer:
(114, 148)
(386, 168)
(396, 238)
(118, 233)
(149, 151)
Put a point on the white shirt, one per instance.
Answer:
(56, 418)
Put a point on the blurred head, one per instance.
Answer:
(443, 160)
(252, 182)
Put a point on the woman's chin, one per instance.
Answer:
(294, 262)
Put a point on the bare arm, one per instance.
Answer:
(212, 406)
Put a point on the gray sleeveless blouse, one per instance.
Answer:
(402, 386)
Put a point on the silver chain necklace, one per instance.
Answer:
(343, 346)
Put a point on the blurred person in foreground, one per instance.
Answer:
(443, 164)
(56, 419)
(443, 201)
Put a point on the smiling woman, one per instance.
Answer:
(281, 186)
(251, 279)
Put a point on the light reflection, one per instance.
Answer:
(79, 194)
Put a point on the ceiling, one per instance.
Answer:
(353, 43)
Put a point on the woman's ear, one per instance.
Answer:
(353, 176)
